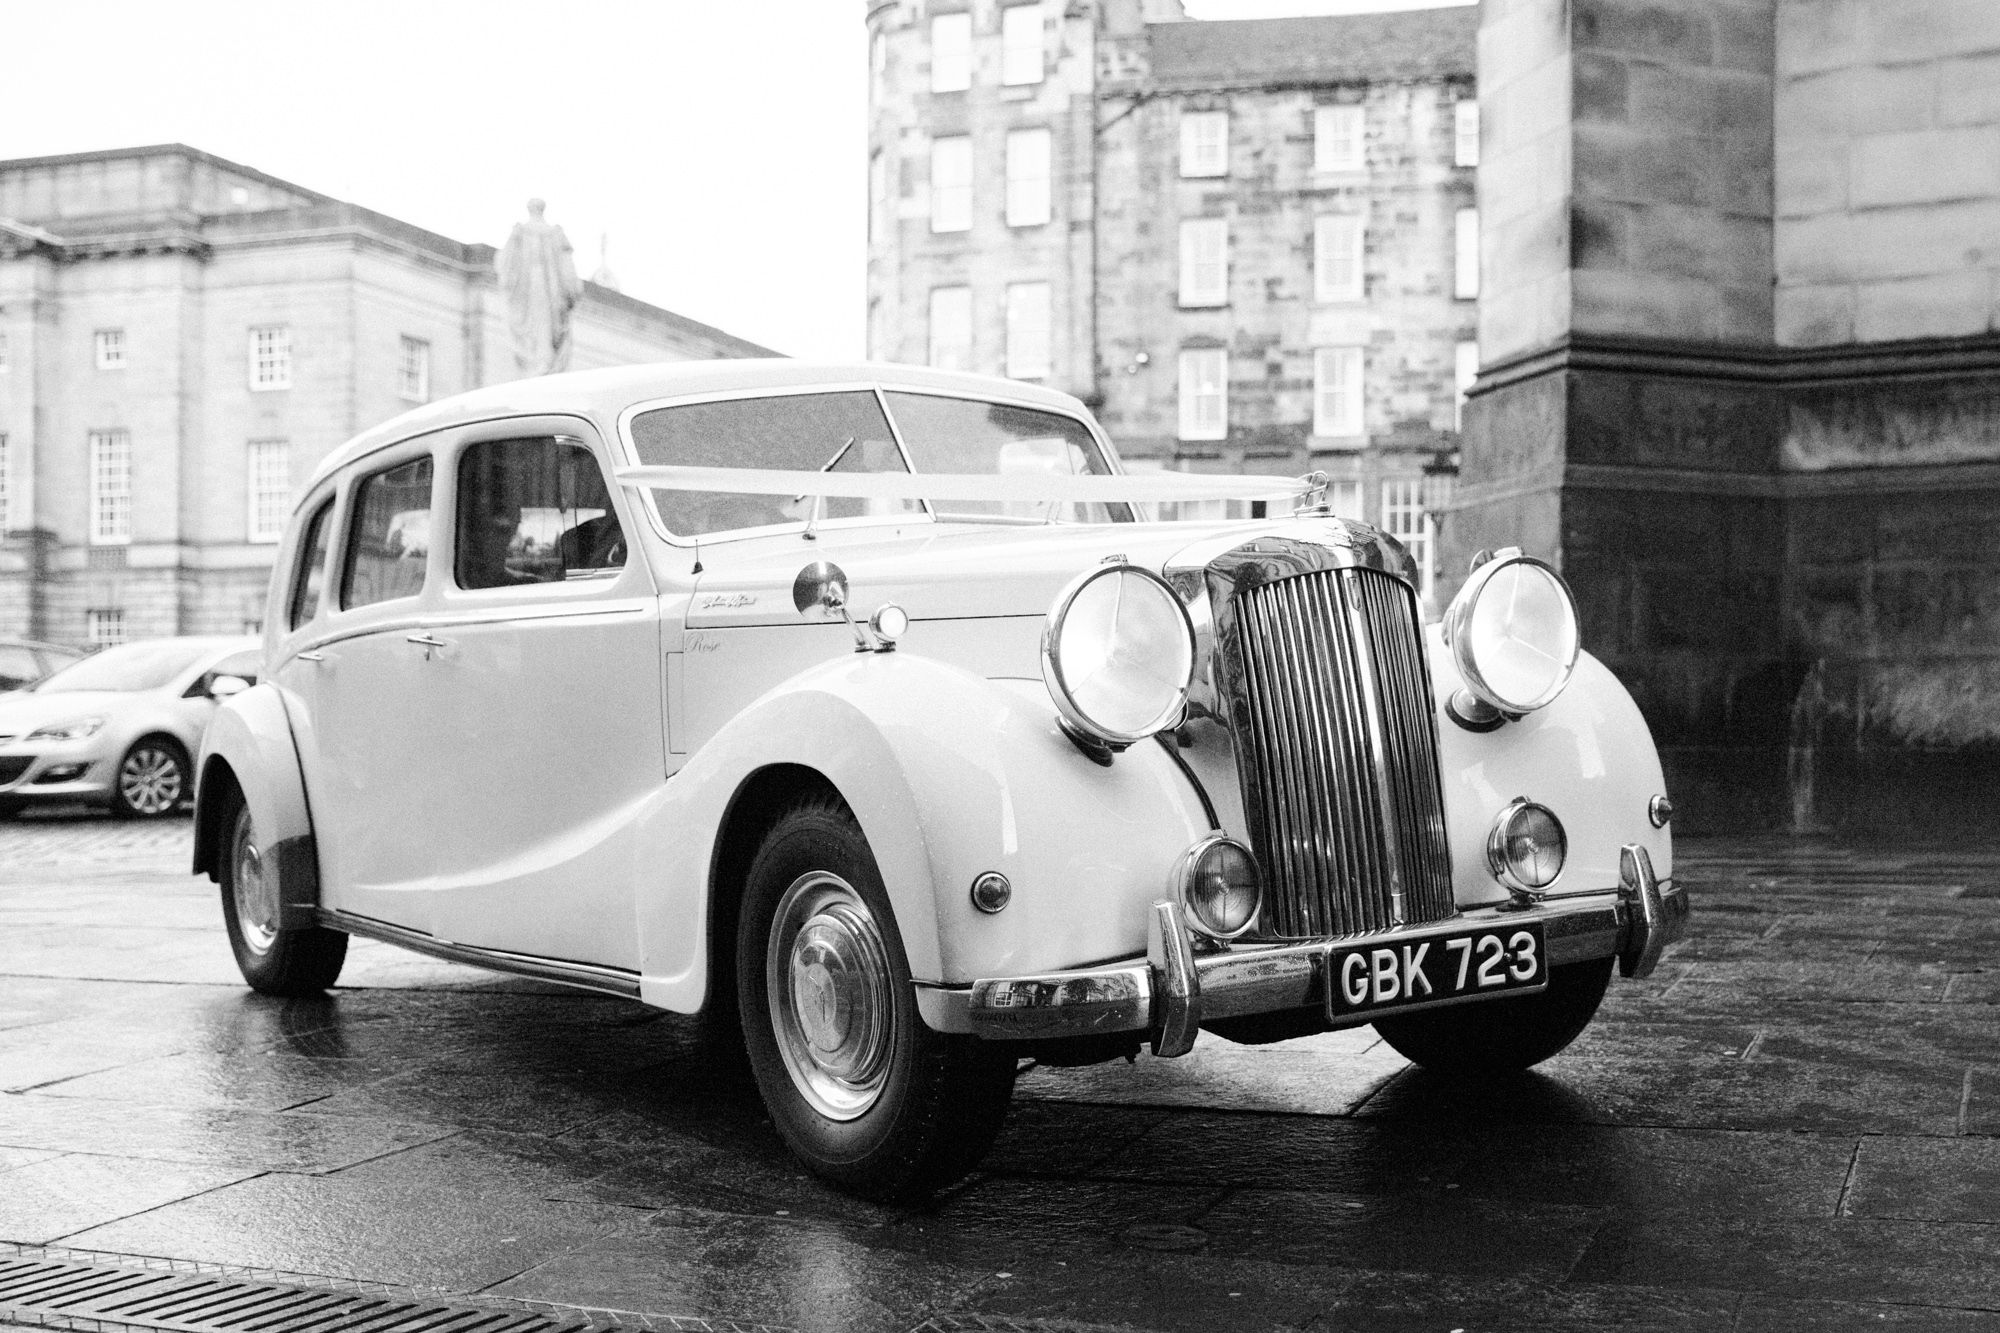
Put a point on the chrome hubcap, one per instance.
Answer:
(256, 893)
(826, 971)
(150, 781)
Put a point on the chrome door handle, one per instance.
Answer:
(426, 640)
(312, 655)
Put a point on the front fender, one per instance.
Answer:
(251, 734)
(1588, 757)
(950, 775)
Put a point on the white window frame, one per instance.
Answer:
(1407, 505)
(1022, 45)
(1028, 326)
(1204, 262)
(951, 52)
(1465, 254)
(104, 627)
(1340, 249)
(1465, 132)
(268, 489)
(1204, 144)
(110, 347)
(413, 369)
(270, 357)
(1464, 372)
(1340, 389)
(1340, 137)
(1204, 393)
(1029, 158)
(950, 331)
(110, 487)
(951, 183)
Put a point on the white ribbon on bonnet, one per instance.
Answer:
(1148, 486)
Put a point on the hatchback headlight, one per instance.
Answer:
(1118, 654)
(73, 730)
(1513, 633)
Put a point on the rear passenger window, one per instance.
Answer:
(533, 511)
(311, 572)
(389, 540)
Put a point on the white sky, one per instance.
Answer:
(721, 143)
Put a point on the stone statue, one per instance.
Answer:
(538, 278)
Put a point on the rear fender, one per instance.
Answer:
(949, 775)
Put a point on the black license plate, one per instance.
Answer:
(1402, 974)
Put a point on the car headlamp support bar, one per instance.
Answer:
(960, 486)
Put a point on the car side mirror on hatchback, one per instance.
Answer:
(223, 686)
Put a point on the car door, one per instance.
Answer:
(546, 689)
(351, 665)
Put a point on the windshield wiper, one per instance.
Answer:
(812, 515)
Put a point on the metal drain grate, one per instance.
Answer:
(79, 1295)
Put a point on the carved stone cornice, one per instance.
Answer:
(1783, 367)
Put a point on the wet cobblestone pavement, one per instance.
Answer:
(1795, 1124)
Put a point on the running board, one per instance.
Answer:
(584, 976)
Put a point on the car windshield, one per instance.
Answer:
(130, 666)
(846, 431)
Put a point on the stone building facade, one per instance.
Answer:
(182, 339)
(1741, 376)
(1239, 241)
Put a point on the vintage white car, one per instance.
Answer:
(864, 709)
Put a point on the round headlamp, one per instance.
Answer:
(1118, 654)
(1527, 846)
(1513, 633)
(1218, 884)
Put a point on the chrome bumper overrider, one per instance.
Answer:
(1174, 989)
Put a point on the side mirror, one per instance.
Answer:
(223, 686)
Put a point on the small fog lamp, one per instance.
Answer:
(1527, 847)
(890, 622)
(991, 892)
(1220, 887)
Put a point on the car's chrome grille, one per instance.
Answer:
(1339, 755)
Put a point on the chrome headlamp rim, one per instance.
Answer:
(1058, 686)
(1183, 876)
(1496, 849)
(1457, 621)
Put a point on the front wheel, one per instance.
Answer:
(274, 958)
(1503, 1035)
(151, 779)
(860, 1089)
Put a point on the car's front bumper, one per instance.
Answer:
(56, 771)
(1172, 991)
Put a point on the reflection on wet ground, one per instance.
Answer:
(1791, 1126)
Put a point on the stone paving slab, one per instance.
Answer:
(1791, 1126)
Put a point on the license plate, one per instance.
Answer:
(1403, 974)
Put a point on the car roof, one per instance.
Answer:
(603, 394)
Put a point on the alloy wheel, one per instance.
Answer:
(150, 780)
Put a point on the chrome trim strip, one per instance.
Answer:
(584, 976)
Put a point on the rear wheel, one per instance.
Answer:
(1503, 1035)
(151, 779)
(860, 1089)
(274, 958)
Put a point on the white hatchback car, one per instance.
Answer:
(863, 708)
(119, 728)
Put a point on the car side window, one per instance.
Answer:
(311, 572)
(389, 539)
(533, 511)
(17, 667)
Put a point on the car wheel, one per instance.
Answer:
(1503, 1035)
(274, 958)
(860, 1089)
(151, 779)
